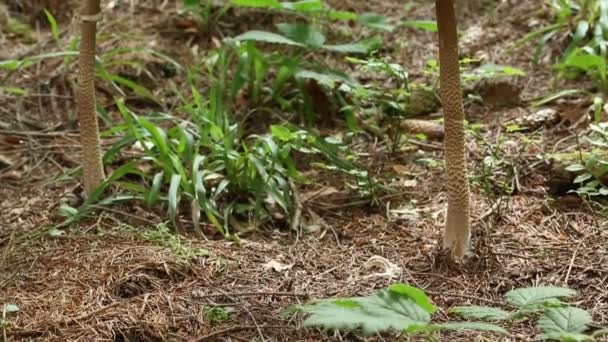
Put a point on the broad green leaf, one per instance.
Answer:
(575, 168)
(13, 90)
(304, 6)
(13, 64)
(481, 312)
(326, 78)
(415, 294)
(159, 138)
(426, 25)
(173, 196)
(305, 34)
(153, 194)
(586, 62)
(565, 322)
(376, 21)
(341, 15)
(476, 326)
(536, 295)
(281, 132)
(257, 3)
(363, 47)
(380, 312)
(267, 37)
(582, 178)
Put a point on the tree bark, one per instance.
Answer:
(457, 232)
(93, 172)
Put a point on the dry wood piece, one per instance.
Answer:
(89, 130)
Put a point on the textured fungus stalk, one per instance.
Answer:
(457, 233)
(93, 173)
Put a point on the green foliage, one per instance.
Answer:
(6, 310)
(407, 309)
(481, 312)
(182, 250)
(401, 308)
(587, 62)
(218, 314)
(585, 21)
(497, 175)
(531, 297)
(565, 324)
(309, 35)
(557, 321)
(591, 171)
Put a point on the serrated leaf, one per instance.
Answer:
(481, 312)
(564, 320)
(477, 326)
(415, 294)
(380, 312)
(564, 337)
(536, 295)
(601, 332)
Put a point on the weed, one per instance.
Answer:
(592, 171)
(182, 250)
(218, 314)
(6, 310)
(497, 175)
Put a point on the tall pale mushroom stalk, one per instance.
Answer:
(93, 173)
(457, 234)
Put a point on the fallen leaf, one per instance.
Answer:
(277, 266)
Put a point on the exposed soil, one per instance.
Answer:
(101, 280)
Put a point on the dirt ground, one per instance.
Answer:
(102, 281)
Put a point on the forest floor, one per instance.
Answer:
(103, 279)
